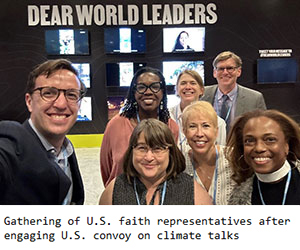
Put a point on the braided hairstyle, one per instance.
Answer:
(131, 107)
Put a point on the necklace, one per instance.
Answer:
(215, 173)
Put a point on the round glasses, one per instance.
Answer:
(142, 149)
(51, 94)
(141, 88)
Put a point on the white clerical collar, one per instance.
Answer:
(275, 176)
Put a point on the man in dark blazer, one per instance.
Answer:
(38, 165)
(236, 98)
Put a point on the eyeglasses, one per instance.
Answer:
(141, 88)
(228, 69)
(142, 149)
(51, 94)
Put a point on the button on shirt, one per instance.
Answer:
(60, 158)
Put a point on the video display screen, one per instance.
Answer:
(120, 74)
(83, 70)
(67, 42)
(277, 70)
(114, 105)
(124, 40)
(172, 69)
(85, 111)
(183, 40)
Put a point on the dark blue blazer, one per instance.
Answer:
(29, 174)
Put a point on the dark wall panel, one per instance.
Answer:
(242, 26)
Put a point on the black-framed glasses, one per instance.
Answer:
(228, 69)
(141, 88)
(51, 94)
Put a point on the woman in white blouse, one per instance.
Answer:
(206, 159)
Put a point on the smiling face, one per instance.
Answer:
(188, 89)
(151, 167)
(183, 40)
(265, 146)
(200, 133)
(53, 119)
(226, 80)
(148, 102)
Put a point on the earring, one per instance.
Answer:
(161, 105)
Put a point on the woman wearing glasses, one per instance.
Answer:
(153, 172)
(146, 98)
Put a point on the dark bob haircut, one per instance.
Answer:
(156, 134)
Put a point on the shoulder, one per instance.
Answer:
(247, 91)
(106, 197)
(117, 122)
(241, 194)
(211, 87)
(172, 111)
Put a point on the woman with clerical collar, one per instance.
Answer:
(263, 150)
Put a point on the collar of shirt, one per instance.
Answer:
(67, 146)
(232, 94)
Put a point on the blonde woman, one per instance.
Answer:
(206, 158)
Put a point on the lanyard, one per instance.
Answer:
(287, 184)
(231, 106)
(162, 195)
(181, 141)
(216, 176)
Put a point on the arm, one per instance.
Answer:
(106, 197)
(261, 102)
(201, 196)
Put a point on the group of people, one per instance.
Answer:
(219, 145)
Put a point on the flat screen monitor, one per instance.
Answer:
(183, 40)
(172, 69)
(85, 111)
(83, 70)
(120, 74)
(67, 42)
(277, 70)
(124, 40)
(114, 105)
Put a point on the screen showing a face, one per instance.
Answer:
(277, 70)
(67, 42)
(182, 40)
(121, 74)
(124, 40)
(83, 70)
(85, 111)
(172, 69)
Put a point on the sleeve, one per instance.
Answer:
(221, 138)
(174, 128)
(261, 102)
(106, 160)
